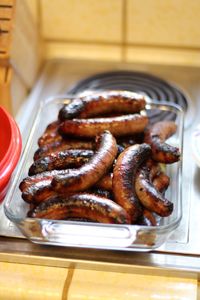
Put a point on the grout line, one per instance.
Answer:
(124, 30)
(68, 282)
(86, 42)
(103, 43)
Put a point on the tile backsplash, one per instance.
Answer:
(123, 30)
(163, 23)
(86, 21)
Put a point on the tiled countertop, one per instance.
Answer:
(23, 281)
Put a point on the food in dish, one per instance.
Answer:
(121, 163)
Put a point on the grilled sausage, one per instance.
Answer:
(151, 198)
(103, 103)
(147, 218)
(90, 173)
(89, 206)
(105, 182)
(62, 146)
(156, 136)
(124, 175)
(101, 192)
(61, 160)
(50, 134)
(37, 188)
(161, 182)
(118, 126)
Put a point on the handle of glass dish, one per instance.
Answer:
(103, 235)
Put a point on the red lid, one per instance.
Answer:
(10, 147)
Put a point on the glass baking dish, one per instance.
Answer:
(94, 235)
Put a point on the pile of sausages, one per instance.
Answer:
(100, 161)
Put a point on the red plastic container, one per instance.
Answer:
(10, 149)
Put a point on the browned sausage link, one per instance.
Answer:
(50, 134)
(155, 170)
(118, 126)
(37, 188)
(101, 192)
(147, 218)
(90, 173)
(105, 182)
(156, 136)
(150, 198)
(124, 174)
(62, 146)
(103, 103)
(90, 206)
(61, 160)
(161, 182)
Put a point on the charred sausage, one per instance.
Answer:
(156, 136)
(147, 218)
(151, 198)
(124, 175)
(90, 173)
(37, 188)
(61, 160)
(118, 126)
(89, 206)
(50, 134)
(103, 103)
(105, 182)
(62, 146)
(161, 182)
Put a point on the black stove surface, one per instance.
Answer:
(149, 85)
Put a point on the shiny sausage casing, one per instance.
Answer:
(118, 126)
(37, 188)
(89, 206)
(124, 175)
(61, 160)
(161, 182)
(156, 136)
(50, 134)
(147, 218)
(62, 145)
(90, 173)
(103, 103)
(105, 182)
(151, 198)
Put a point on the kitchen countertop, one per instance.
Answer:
(38, 282)
(115, 273)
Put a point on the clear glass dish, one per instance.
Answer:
(93, 235)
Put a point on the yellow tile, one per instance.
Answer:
(159, 22)
(82, 51)
(164, 56)
(26, 282)
(88, 20)
(98, 285)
